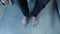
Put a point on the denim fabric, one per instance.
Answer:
(39, 5)
(58, 5)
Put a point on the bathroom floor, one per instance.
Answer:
(11, 16)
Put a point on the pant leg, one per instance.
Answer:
(57, 2)
(11, 1)
(39, 5)
(24, 7)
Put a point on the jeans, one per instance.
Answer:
(39, 5)
(58, 6)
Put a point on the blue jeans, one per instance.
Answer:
(58, 6)
(39, 5)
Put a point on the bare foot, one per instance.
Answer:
(34, 21)
(24, 21)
